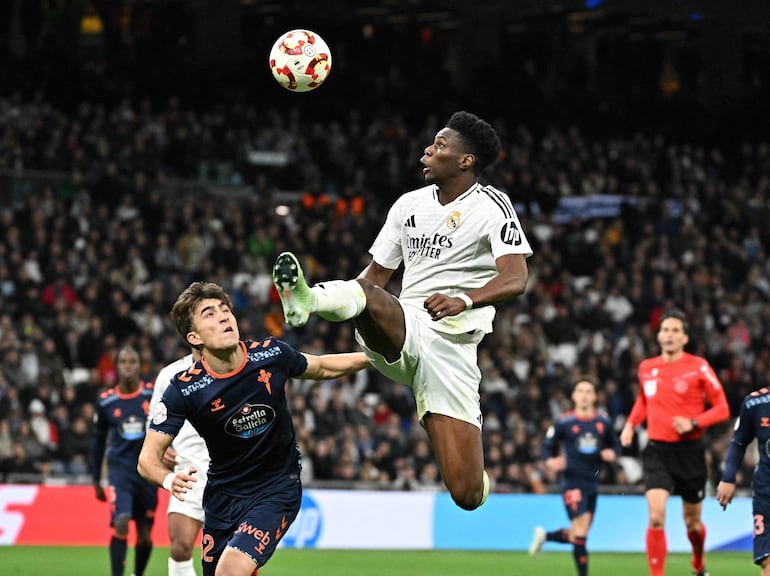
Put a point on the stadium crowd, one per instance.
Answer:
(108, 212)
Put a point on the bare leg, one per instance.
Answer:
(183, 532)
(656, 504)
(460, 456)
(235, 563)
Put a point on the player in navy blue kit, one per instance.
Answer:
(588, 441)
(753, 422)
(120, 420)
(235, 397)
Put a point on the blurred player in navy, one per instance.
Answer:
(674, 388)
(588, 441)
(120, 420)
(235, 397)
(753, 422)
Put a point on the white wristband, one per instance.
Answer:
(169, 480)
(467, 299)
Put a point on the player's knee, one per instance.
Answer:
(143, 536)
(693, 524)
(180, 551)
(465, 502)
(657, 520)
(370, 288)
(466, 496)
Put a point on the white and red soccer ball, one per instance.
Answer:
(300, 60)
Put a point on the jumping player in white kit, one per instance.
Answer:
(463, 250)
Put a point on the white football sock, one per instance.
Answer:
(339, 300)
(485, 488)
(184, 568)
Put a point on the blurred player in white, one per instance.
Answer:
(185, 518)
(463, 251)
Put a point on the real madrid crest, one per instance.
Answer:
(454, 220)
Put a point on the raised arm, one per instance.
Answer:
(328, 366)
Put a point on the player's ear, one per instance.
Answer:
(467, 161)
(194, 339)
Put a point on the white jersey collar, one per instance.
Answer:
(475, 187)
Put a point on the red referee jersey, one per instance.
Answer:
(678, 388)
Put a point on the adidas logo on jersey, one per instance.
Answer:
(410, 222)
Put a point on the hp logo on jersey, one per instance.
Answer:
(510, 234)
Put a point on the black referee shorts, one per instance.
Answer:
(678, 467)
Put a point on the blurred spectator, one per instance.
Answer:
(50, 365)
(24, 467)
(76, 447)
(44, 430)
(6, 440)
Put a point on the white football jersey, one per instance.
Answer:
(190, 448)
(450, 249)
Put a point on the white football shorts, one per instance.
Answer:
(440, 368)
(193, 498)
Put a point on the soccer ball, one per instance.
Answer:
(300, 60)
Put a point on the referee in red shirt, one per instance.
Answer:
(673, 391)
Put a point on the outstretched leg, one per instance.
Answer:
(378, 315)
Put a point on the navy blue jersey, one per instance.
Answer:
(582, 440)
(119, 425)
(243, 416)
(753, 422)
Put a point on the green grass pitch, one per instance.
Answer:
(79, 561)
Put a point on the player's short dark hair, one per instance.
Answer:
(586, 378)
(184, 307)
(478, 135)
(126, 348)
(676, 314)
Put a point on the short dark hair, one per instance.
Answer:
(478, 135)
(586, 378)
(182, 311)
(126, 348)
(676, 314)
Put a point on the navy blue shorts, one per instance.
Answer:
(578, 500)
(132, 496)
(761, 510)
(253, 524)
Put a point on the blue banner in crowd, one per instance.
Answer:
(589, 207)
